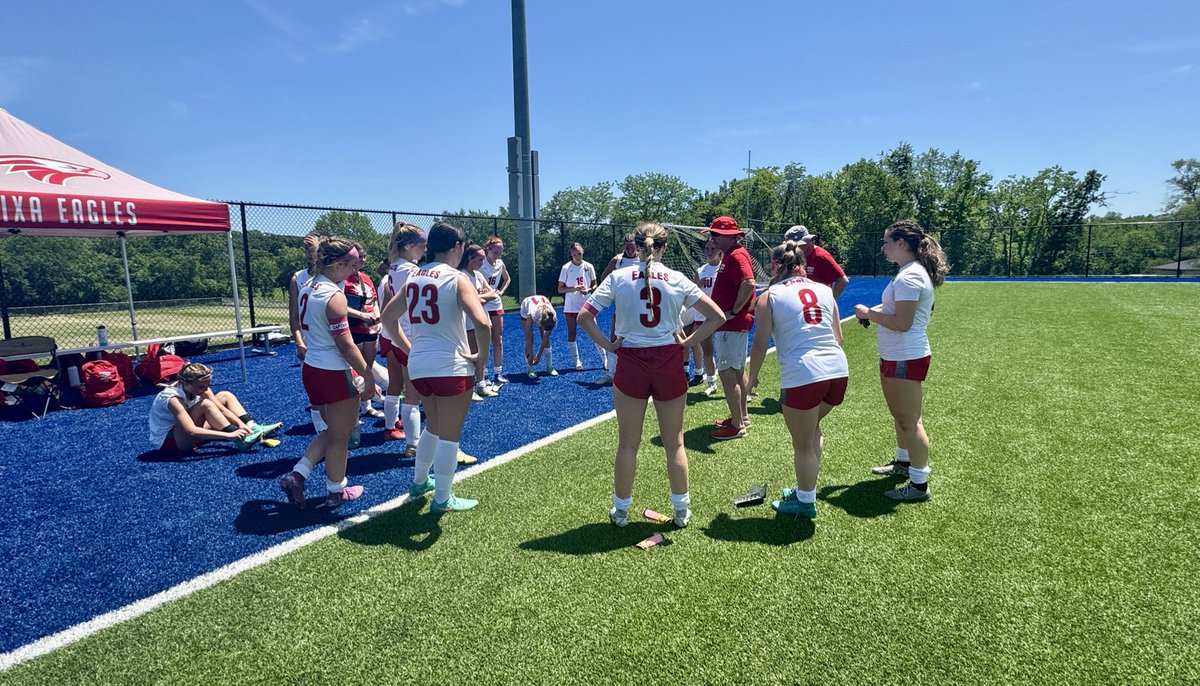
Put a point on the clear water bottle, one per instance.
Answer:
(101, 335)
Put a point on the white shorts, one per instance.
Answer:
(729, 349)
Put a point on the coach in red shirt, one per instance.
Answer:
(733, 291)
(819, 264)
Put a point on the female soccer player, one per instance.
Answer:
(649, 298)
(576, 280)
(436, 297)
(628, 257)
(299, 280)
(706, 275)
(497, 277)
(186, 413)
(335, 374)
(803, 316)
(406, 246)
(904, 352)
(472, 259)
(537, 309)
(363, 312)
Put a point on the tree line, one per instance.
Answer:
(1020, 225)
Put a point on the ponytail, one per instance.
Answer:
(924, 248)
(787, 256)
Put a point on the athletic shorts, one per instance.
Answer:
(169, 447)
(496, 313)
(364, 337)
(808, 396)
(386, 347)
(729, 349)
(912, 370)
(443, 386)
(328, 386)
(651, 372)
(572, 315)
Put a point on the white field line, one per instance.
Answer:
(136, 609)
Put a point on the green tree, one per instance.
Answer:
(652, 197)
(1185, 186)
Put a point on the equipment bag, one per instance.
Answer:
(102, 385)
(159, 368)
(124, 365)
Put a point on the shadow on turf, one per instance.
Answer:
(770, 529)
(157, 456)
(864, 499)
(270, 517)
(403, 527)
(357, 465)
(597, 537)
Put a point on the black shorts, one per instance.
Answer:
(364, 337)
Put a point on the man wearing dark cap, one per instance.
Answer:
(733, 291)
(819, 264)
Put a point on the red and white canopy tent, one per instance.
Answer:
(48, 188)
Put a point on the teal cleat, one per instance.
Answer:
(795, 507)
(269, 430)
(418, 490)
(454, 504)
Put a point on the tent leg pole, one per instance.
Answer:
(129, 291)
(237, 306)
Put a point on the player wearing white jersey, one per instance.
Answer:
(436, 297)
(334, 373)
(405, 247)
(498, 278)
(628, 257)
(298, 281)
(472, 260)
(904, 353)
(706, 276)
(537, 310)
(648, 300)
(802, 315)
(186, 413)
(576, 280)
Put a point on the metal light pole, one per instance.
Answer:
(522, 161)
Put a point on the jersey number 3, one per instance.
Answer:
(812, 308)
(653, 298)
(429, 314)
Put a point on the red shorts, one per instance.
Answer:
(328, 386)
(387, 347)
(572, 315)
(443, 386)
(496, 313)
(169, 447)
(651, 372)
(912, 370)
(808, 396)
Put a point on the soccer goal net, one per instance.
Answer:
(685, 252)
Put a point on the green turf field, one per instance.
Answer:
(1060, 546)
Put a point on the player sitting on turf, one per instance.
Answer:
(186, 413)
(538, 308)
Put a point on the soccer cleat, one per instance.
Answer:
(795, 507)
(410, 450)
(292, 485)
(729, 422)
(393, 435)
(682, 517)
(552, 372)
(531, 374)
(373, 411)
(604, 380)
(695, 380)
(757, 495)
(418, 490)
(501, 379)
(475, 397)
(246, 443)
(486, 391)
(908, 493)
(464, 458)
(619, 518)
(344, 496)
(453, 504)
(893, 468)
(727, 432)
(710, 390)
(269, 430)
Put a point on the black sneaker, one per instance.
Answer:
(893, 468)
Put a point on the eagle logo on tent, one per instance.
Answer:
(48, 171)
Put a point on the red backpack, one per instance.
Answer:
(124, 365)
(156, 368)
(102, 385)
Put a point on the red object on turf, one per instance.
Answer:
(727, 432)
(728, 421)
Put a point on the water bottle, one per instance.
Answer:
(101, 335)
(73, 376)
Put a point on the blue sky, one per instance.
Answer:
(406, 104)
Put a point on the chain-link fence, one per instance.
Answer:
(66, 287)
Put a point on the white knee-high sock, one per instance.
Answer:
(391, 410)
(425, 455)
(410, 416)
(381, 374)
(549, 359)
(445, 461)
(573, 347)
(318, 423)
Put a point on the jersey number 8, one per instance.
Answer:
(812, 309)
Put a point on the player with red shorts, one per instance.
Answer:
(648, 299)
(904, 351)
(802, 315)
(406, 246)
(334, 373)
(436, 297)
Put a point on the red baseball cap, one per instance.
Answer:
(725, 226)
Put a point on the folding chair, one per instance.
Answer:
(36, 386)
